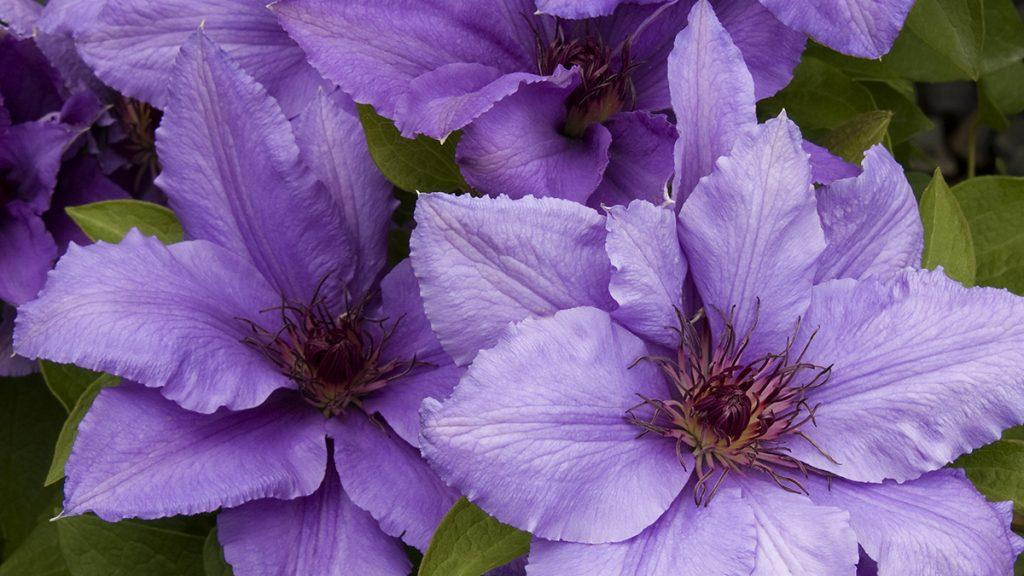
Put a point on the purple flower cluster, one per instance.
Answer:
(660, 336)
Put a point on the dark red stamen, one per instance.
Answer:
(731, 412)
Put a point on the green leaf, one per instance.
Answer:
(70, 429)
(998, 469)
(852, 138)
(1004, 35)
(900, 98)
(214, 563)
(420, 164)
(93, 547)
(953, 29)
(1000, 95)
(947, 235)
(469, 542)
(109, 221)
(30, 419)
(994, 207)
(38, 555)
(67, 381)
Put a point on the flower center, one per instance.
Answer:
(336, 360)
(605, 84)
(731, 413)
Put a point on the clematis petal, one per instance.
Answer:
(29, 87)
(132, 45)
(712, 96)
(937, 524)
(537, 433)
(872, 225)
(796, 535)
(375, 50)
(169, 317)
(771, 50)
(752, 237)
(923, 370)
(862, 28)
(232, 173)
(386, 476)
(20, 15)
(640, 160)
(81, 181)
(332, 144)
(27, 252)
(323, 533)
(10, 363)
(30, 155)
(649, 269)
(688, 540)
(826, 167)
(511, 259)
(399, 403)
(173, 461)
(517, 148)
(579, 9)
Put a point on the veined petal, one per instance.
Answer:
(386, 476)
(232, 173)
(374, 50)
(862, 28)
(165, 316)
(537, 433)
(923, 370)
(649, 269)
(485, 262)
(771, 50)
(795, 535)
(712, 96)
(20, 15)
(27, 252)
(872, 225)
(640, 161)
(826, 167)
(132, 45)
(399, 402)
(29, 87)
(714, 540)
(579, 9)
(752, 237)
(323, 533)
(937, 524)
(30, 155)
(139, 455)
(332, 144)
(517, 147)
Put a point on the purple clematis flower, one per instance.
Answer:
(546, 106)
(864, 28)
(43, 168)
(789, 415)
(277, 376)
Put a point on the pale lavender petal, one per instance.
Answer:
(517, 148)
(132, 46)
(796, 535)
(771, 50)
(714, 540)
(640, 161)
(485, 262)
(712, 96)
(81, 181)
(165, 316)
(537, 433)
(872, 225)
(448, 98)
(752, 237)
(923, 370)
(826, 167)
(863, 28)
(232, 173)
(937, 524)
(56, 27)
(332, 144)
(649, 269)
(399, 403)
(580, 9)
(375, 50)
(138, 454)
(30, 155)
(20, 15)
(386, 476)
(1005, 512)
(27, 252)
(323, 534)
(10, 363)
